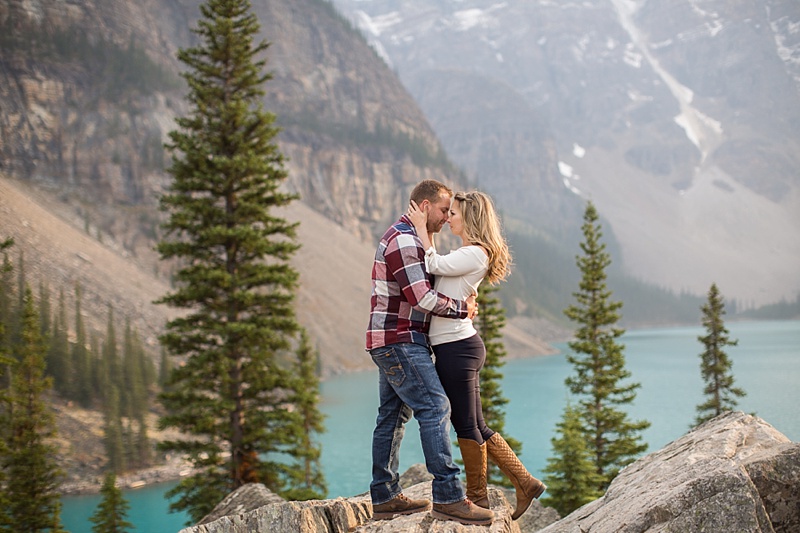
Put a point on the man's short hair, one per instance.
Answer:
(430, 190)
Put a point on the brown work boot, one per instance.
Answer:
(399, 505)
(474, 457)
(527, 487)
(464, 512)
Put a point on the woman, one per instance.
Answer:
(460, 353)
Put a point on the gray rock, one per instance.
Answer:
(776, 474)
(733, 473)
(335, 516)
(339, 515)
(244, 499)
(536, 518)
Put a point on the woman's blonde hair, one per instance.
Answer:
(482, 228)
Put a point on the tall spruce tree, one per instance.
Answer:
(113, 432)
(5, 363)
(305, 479)
(234, 277)
(572, 478)
(598, 362)
(715, 365)
(490, 323)
(59, 358)
(44, 309)
(133, 402)
(81, 356)
(111, 513)
(33, 476)
(112, 364)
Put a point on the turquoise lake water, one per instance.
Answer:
(766, 364)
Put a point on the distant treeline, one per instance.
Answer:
(94, 371)
(545, 273)
(111, 70)
(783, 310)
(358, 134)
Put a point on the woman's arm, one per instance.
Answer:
(465, 260)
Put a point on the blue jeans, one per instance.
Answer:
(408, 384)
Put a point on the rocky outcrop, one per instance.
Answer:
(733, 473)
(341, 515)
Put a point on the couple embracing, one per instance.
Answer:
(409, 316)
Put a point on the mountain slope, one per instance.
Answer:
(90, 91)
(680, 119)
(332, 301)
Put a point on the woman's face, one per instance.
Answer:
(455, 220)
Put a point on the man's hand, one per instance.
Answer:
(472, 306)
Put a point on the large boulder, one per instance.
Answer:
(255, 509)
(735, 473)
(245, 514)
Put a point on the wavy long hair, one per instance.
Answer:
(482, 228)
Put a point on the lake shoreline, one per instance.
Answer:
(173, 470)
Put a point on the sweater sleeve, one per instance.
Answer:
(465, 260)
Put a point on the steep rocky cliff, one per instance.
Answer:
(88, 92)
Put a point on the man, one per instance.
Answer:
(401, 304)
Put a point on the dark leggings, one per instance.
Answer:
(458, 364)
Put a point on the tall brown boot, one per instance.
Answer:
(527, 487)
(474, 457)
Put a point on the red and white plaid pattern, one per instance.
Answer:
(402, 291)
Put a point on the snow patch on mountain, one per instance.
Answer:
(700, 129)
(373, 27)
(568, 174)
(786, 33)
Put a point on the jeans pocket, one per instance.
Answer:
(387, 360)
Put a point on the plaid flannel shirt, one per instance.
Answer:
(402, 291)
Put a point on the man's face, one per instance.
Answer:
(438, 213)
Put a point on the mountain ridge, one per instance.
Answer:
(642, 105)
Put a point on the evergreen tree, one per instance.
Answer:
(30, 463)
(572, 478)
(134, 397)
(6, 294)
(113, 432)
(490, 323)
(99, 370)
(21, 284)
(5, 363)
(59, 358)
(164, 369)
(111, 513)
(111, 366)
(81, 356)
(599, 363)
(14, 301)
(44, 309)
(306, 481)
(234, 277)
(715, 365)
(143, 452)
